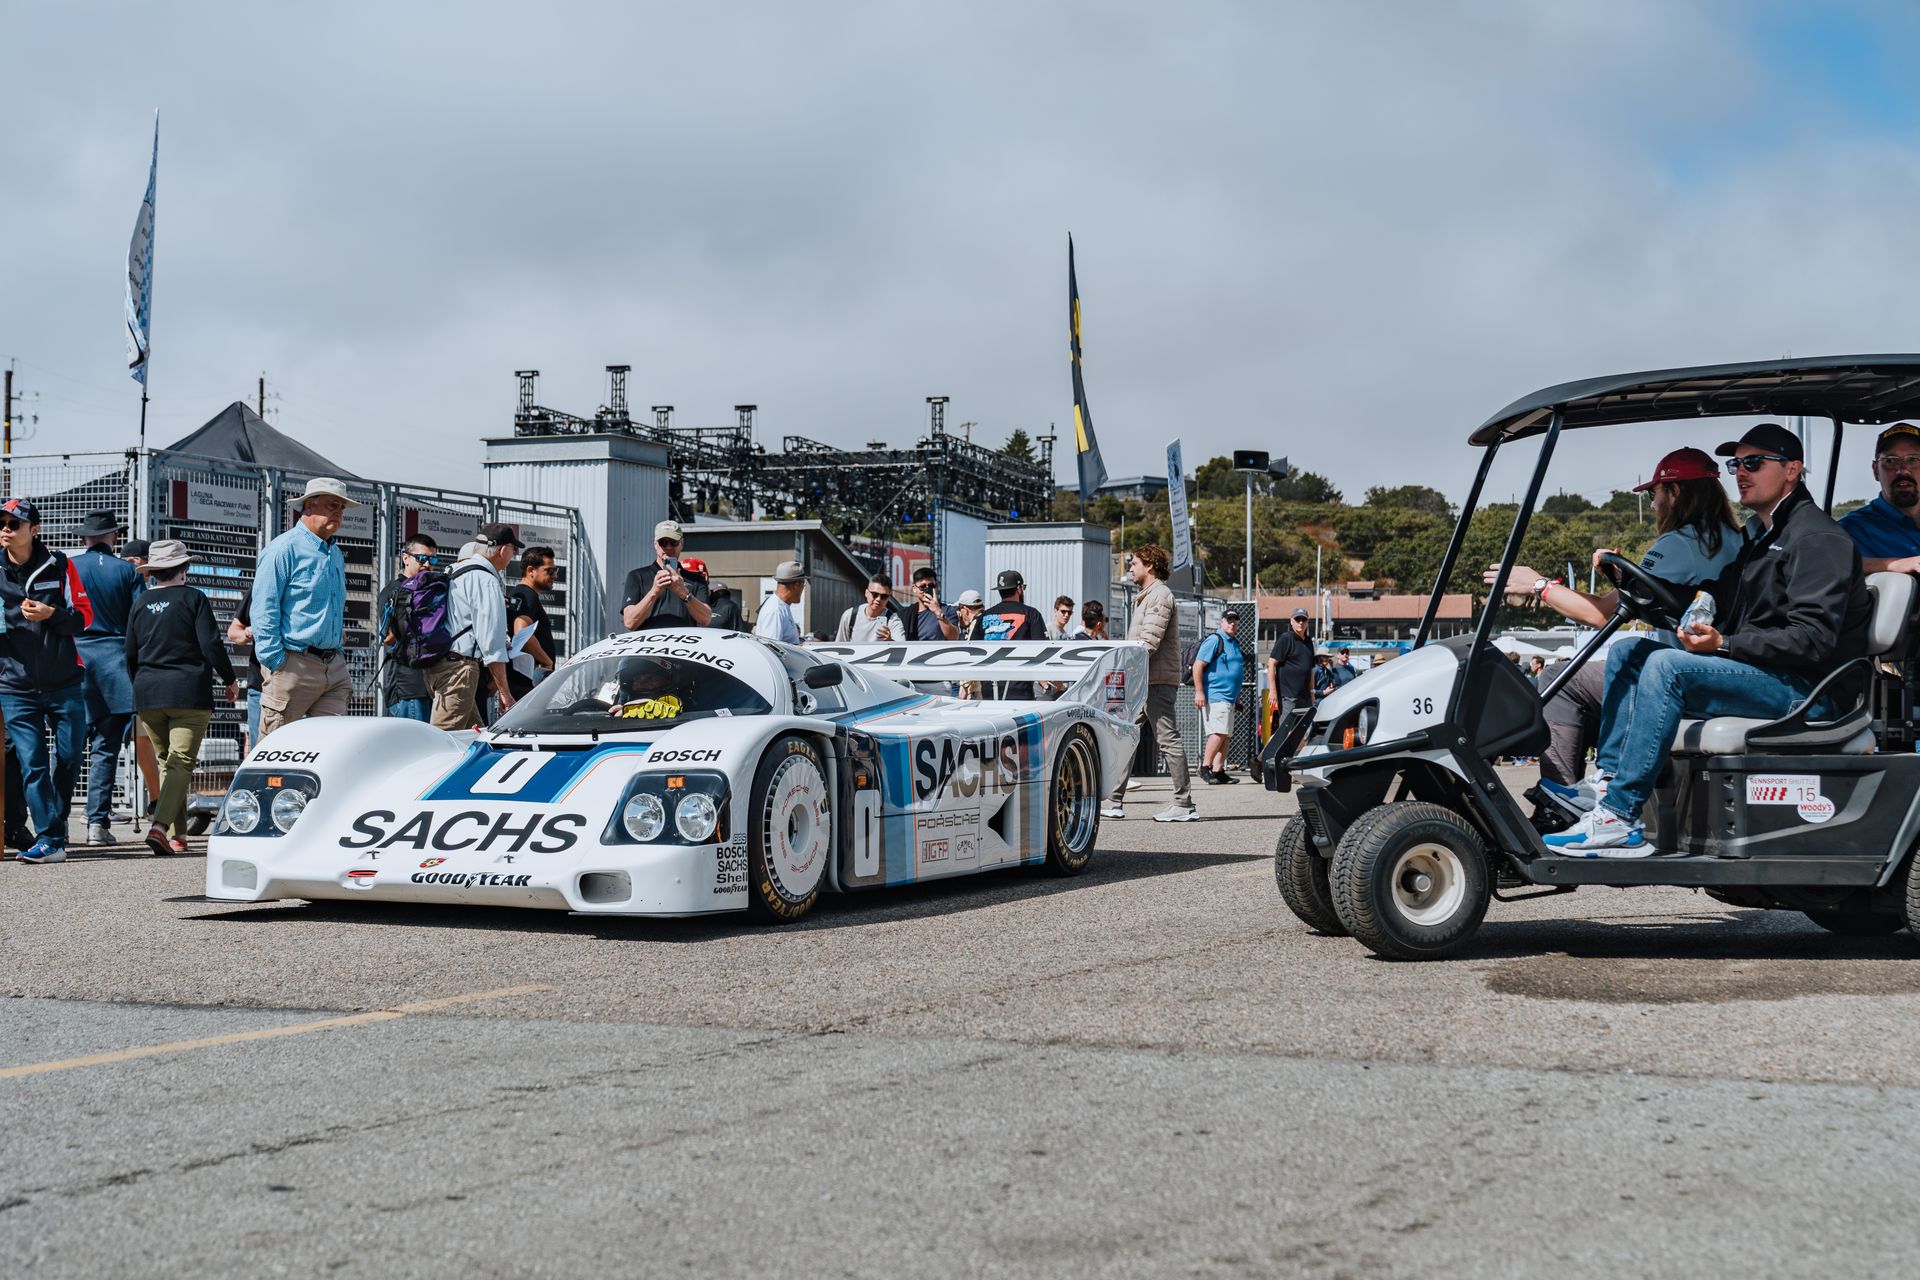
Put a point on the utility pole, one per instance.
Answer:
(8, 446)
(262, 409)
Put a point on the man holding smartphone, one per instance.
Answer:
(658, 594)
(930, 620)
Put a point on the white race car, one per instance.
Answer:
(671, 773)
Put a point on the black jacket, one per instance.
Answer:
(174, 650)
(37, 656)
(1794, 600)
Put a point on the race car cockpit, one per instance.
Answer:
(614, 693)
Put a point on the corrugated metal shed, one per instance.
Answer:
(1063, 559)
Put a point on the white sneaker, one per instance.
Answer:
(1133, 784)
(1580, 798)
(1178, 813)
(1601, 834)
(1112, 811)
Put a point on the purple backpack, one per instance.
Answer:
(421, 617)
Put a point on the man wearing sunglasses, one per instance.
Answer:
(658, 594)
(1789, 610)
(1887, 530)
(42, 692)
(872, 622)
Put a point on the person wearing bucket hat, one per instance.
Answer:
(112, 584)
(1887, 530)
(1697, 538)
(299, 612)
(174, 654)
(42, 690)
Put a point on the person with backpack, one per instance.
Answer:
(1218, 666)
(403, 683)
(475, 616)
(872, 622)
(174, 655)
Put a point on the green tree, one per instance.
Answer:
(1565, 504)
(1306, 486)
(1410, 497)
(1019, 446)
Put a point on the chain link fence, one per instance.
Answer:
(226, 512)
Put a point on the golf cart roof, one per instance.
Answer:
(1864, 389)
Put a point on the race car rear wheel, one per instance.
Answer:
(1073, 805)
(1303, 877)
(1410, 881)
(790, 829)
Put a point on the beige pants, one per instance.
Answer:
(455, 685)
(175, 734)
(1159, 713)
(304, 686)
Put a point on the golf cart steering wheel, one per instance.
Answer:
(1646, 597)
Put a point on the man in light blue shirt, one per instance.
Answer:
(1218, 666)
(775, 621)
(1886, 529)
(299, 613)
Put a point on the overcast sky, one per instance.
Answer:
(1346, 232)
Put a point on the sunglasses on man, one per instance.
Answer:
(879, 595)
(10, 524)
(1753, 462)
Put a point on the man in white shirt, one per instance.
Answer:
(477, 612)
(775, 621)
(871, 622)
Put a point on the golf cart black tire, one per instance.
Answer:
(1302, 875)
(1913, 894)
(1855, 922)
(1076, 781)
(1362, 880)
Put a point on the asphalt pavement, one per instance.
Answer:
(1150, 1069)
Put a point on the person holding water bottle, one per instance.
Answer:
(1698, 538)
(1791, 608)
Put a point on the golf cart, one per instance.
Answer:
(1405, 830)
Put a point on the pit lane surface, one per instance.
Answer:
(1148, 1069)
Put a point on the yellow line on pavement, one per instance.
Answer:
(266, 1033)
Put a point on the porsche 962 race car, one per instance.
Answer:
(668, 773)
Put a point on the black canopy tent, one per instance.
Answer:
(238, 434)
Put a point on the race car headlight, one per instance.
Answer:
(241, 811)
(678, 808)
(644, 817)
(264, 802)
(696, 816)
(287, 807)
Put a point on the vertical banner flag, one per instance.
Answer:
(140, 273)
(1177, 507)
(1093, 472)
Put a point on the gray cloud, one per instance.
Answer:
(1343, 232)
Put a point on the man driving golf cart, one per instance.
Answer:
(1791, 608)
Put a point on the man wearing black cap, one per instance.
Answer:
(111, 584)
(1290, 670)
(1013, 619)
(1789, 610)
(1887, 530)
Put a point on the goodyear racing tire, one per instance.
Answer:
(1410, 881)
(1303, 878)
(1073, 805)
(790, 836)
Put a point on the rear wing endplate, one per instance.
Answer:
(1108, 674)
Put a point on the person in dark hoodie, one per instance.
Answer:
(42, 692)
(174, 654)
(1791, 608)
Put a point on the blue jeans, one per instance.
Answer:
(105, 736)
(411, 709)
(1651, 687)
(253, 717)
(48, 781)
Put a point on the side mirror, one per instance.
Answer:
(824, 676)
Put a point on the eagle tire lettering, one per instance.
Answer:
(790, 830)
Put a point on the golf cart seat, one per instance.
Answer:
(1848, 734)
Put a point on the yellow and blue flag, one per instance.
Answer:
(1093, 472)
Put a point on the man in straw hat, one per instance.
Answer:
(299, 612)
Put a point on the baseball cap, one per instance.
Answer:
(1300, 613)
(1898, 431)
(1683, 464)
(1231, 615)
(788, 571)
(498, 535)
(21, 509)
(693, 564)
(669, 530)
(972, 598)
(1770, 436)
(135, 549)
(718, 587)
(1009, 579)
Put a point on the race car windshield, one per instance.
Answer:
(621, 693)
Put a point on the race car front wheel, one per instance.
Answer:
(1073, 805)
(1410, 880)
(790, 831)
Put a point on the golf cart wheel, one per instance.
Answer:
(1410, 881)
(1913, 894)
(790, 831)
(1302, 875)
(1857, 922)
(1073, 808)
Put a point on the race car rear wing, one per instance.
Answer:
(1109, 674)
